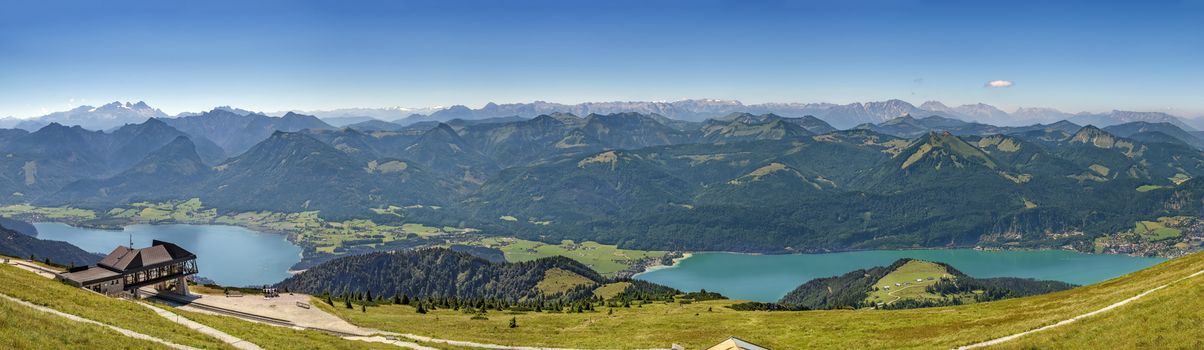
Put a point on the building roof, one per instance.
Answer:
(125, 258)
(733, 343)
(90, 274)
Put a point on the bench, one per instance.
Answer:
(302, 305)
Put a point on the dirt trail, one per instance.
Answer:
(203, 329)
(1002, 340)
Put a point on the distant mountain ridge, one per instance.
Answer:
(236, 133)
(104, 117)
(842, 116)
(838, 115)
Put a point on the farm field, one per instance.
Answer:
(1156, 231)
(304, 228)
(50, 213)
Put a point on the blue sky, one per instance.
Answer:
(278, 55)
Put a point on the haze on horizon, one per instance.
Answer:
(308, 55)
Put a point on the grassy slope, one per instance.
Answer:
(907, 275)
(611, 290)
(693, 325)
(60, 333)
(557, 280)
(17, 321)
(27, 286)
(1169, 318)
(606, 259)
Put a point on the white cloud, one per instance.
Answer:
(999, 84)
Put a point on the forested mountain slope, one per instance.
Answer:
(441, 272)
(745, 182)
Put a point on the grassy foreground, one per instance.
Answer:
(22, 327)
(17, 320)
(1168, 319)
(39, 290)
(701, 324)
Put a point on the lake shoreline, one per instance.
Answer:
(229, 255)
(686, 255)
(767, 277)
(673, 263)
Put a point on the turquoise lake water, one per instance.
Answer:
(229, 255)
(769, 277)
(237, 256)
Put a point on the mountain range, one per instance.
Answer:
(105, 117)
(842, 116)
(741, 181)
(839, 115)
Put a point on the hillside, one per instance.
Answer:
(441, 272)
(694, 324)
(30, 328)
(746, 182)
(909, 283)
(16, 244)
(174, 166)
(294, 172)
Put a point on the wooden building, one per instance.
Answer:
(126, 269)
(733, 343)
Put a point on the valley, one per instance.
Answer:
(320, 240)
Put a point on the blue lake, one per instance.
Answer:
(229, 255)
(769, 277)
